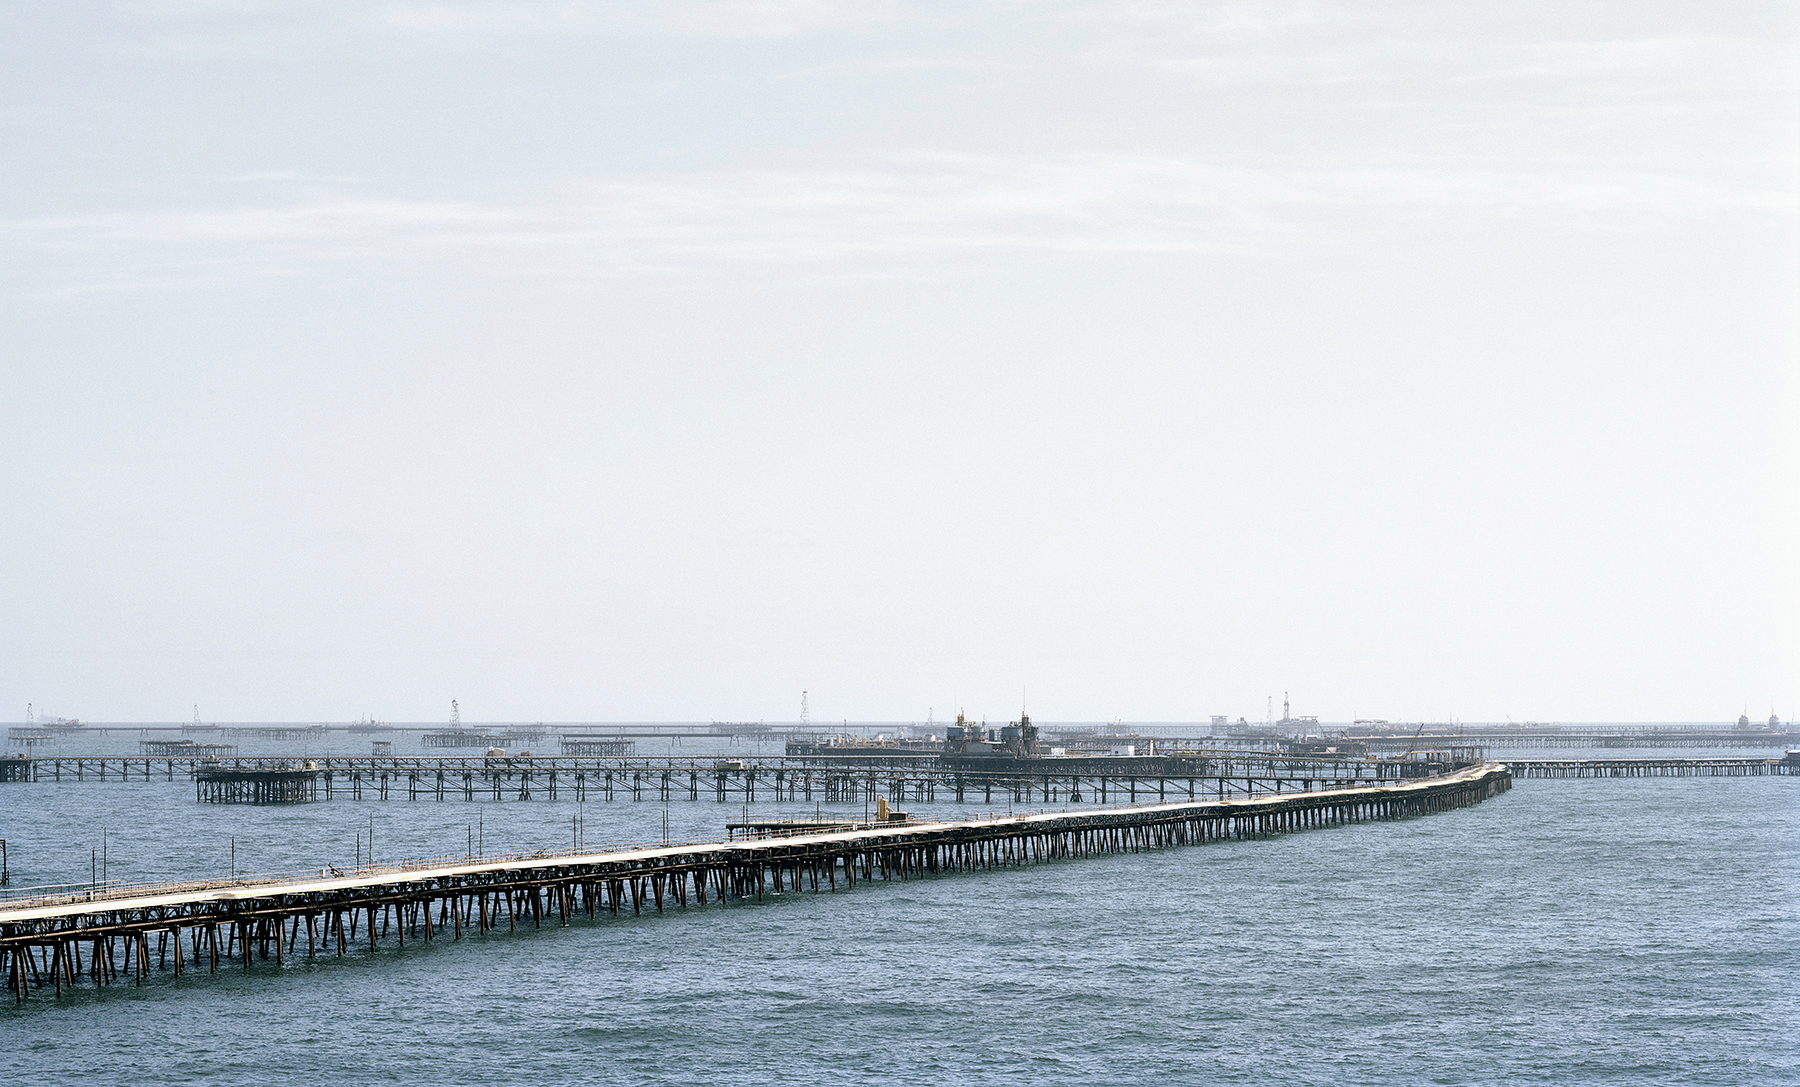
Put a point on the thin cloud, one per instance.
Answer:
(1717, 65)
(704, 18)
(925, 208)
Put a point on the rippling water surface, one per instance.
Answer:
(1575, 931)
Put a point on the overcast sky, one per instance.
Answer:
(657, 361)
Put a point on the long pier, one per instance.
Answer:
(1638, 768)
(1050, 780)
(66, 937)
(1573, 736)
(1217, 775)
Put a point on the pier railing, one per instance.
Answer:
(102, 891)
(53, 894)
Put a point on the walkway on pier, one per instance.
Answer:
(42, 939)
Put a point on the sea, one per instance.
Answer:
(1570, 931)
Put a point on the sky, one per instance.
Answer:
(587, 361)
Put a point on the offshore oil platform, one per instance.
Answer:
(1019, 748)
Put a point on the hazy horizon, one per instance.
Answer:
(907, 722)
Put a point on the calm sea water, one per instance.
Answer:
(1581, 931)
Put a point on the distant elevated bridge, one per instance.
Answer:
(1076, 780)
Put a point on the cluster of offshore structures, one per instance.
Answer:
(971, 745)
(966, 741)
(1005, 765)
(1012, 762)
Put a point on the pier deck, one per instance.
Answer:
(43, 937)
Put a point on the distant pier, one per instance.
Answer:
(1582, 736)
(1101, 780)
(1078, 780)
(1644, 768)
(61, 937)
